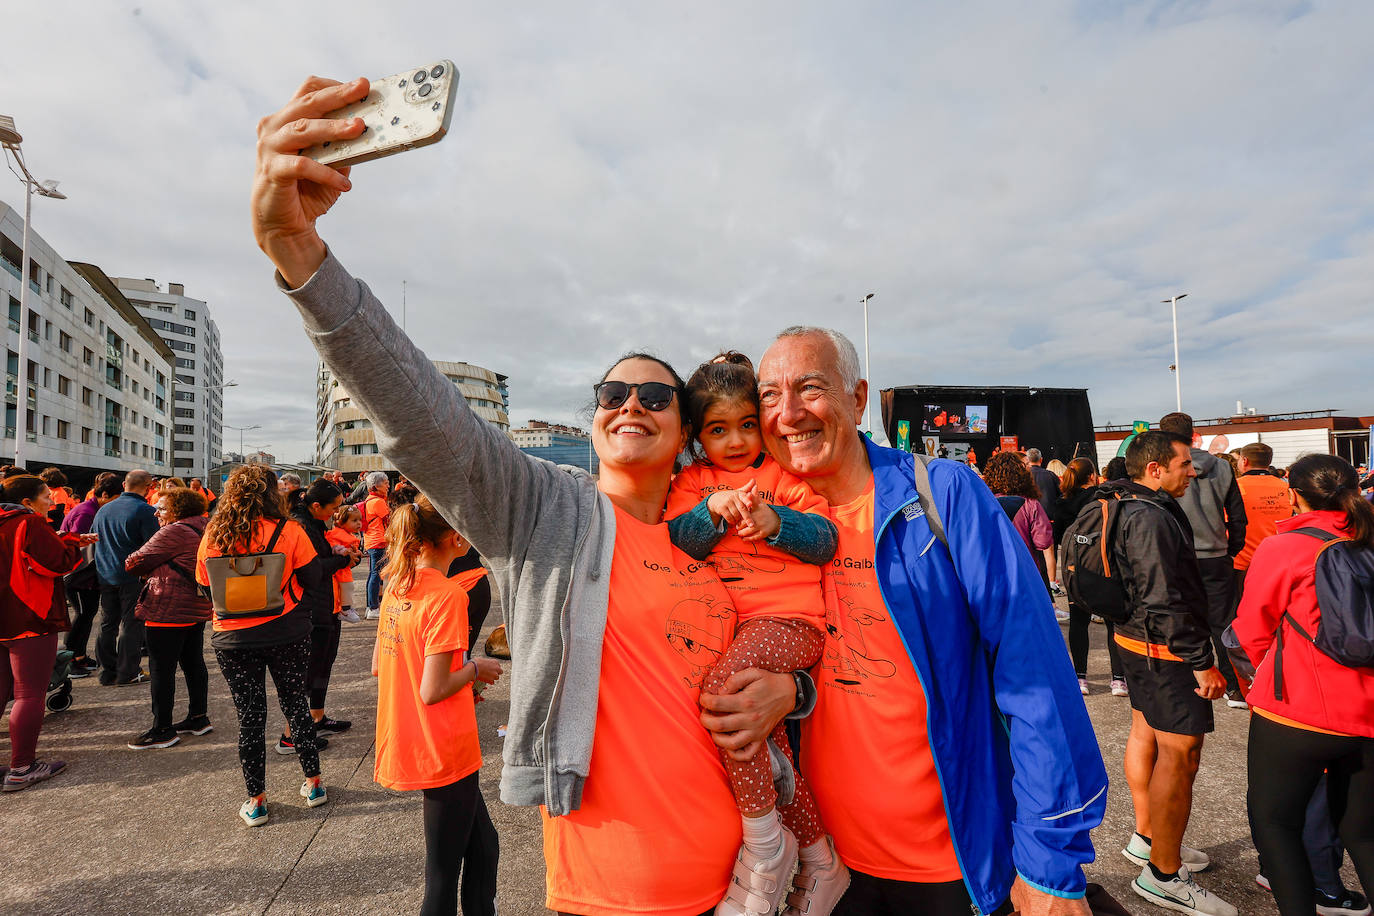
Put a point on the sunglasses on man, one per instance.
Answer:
(653, 396)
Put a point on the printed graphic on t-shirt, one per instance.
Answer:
(696, 629)
(390, 640)
(849, 661)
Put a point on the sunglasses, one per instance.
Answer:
(653, 396)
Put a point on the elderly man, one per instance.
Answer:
(943, 675)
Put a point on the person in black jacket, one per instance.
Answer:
(312, 506)
(1078, 488)
(1169, 668)
(479, 593)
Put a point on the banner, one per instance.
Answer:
(904, 435)
(1011, 444)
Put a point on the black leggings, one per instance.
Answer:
(169, 647)
(324, 648)
(246, 671)
(1079, 619)
(85, 601)
(459, 834)
(1285, 765)
(870, 896)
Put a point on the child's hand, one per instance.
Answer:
(729, 506)
(763, 523)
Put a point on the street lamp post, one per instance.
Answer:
(242, 430)
(868, 368)
(10, 140)
(1178, 381)
(206, 424)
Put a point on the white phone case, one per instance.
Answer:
(400, 113)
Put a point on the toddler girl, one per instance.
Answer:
(348, 521)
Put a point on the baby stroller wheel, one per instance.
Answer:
(60, 700)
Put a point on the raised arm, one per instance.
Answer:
(472, 472)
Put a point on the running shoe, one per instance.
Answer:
(374, 613)
(155, 738)
(253, 812)
(23, 777)
(350, 616)
(1181, 894)
(816, 889)
(1138, 851)
(194, 725)
(1235, 700)
(312, 790)
(757, 885)
(1061, 616)
(1097, 618)
(1347, 903)
(140, 678)
(286, 747)
(76, 672)
(328, 726)
(1083, 686)
(1119, 688)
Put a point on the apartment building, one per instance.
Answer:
(96, 391)
(185, 326)
(345, 440)
(557, 443)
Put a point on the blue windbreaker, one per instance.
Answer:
(1018, 762)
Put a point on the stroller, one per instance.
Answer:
(60, 684)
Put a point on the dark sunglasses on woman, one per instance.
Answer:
(652, 395)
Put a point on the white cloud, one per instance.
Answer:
(1019, 185)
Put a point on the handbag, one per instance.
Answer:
(248, 584)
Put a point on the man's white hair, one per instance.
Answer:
(848, 357)
(376, 479)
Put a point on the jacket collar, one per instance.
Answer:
(893, 483)
(1332, 520)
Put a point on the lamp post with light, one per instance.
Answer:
(868, 368)
(10, 140)
(1178, 382)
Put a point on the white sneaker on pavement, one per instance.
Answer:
(374, 613)
(815, 891)
(757, 885)
(1138, 851)
(1083, 686)
(1181, 894)
(1119, 688)
(349, 615)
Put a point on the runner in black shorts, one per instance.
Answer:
(1165, 692)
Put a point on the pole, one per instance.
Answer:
(1178, 372)
(868, 372)
(22, 376)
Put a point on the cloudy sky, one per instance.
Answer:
(1019, 184)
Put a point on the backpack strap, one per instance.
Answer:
(1318, 533)
(281, 523)
(183, 572)
(927, 496)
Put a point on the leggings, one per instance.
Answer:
(324, 648)
(1079, 618)
(86, 602)
(245, 670)
(459, 834)
(25, 669)
(169, 647)
(1285, 765)
(779, 646)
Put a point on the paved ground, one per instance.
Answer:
(157, 831)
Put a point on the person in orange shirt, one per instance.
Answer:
(770, 559)
(348, 521)
(375, 513)
(248, 647)
(202, 490)
(62, 499)
(426, 724)
(1266, 503)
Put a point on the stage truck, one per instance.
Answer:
(962, 422)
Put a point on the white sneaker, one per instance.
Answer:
(1235, 700)
(815, 891)
(1181, 893)
(1083, 686)
(1119, 688)
(757, 885)
(1061, 616)
(374, 613)
(349, 615)
(1138, 851)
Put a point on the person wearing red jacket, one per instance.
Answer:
(1320, 718)
(33, 611)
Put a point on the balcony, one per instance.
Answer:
(114, 426)
(14, 325)
(9, 430)
(11, 386)
(33, 336)
(13, 270)
(111, 453)
(30, 437)
(113, 357)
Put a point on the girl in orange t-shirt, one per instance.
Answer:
(348, 521)
(426, 724)
(769, 559)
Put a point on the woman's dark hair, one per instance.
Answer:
(1116, 469)
(728, 376)
(402, 495)
(678, 383)
(1076, 475)
(109, 486)
(21, 487)
(322, 491)
(1328, 482)
(54, 477)
(183, 502)
(1006, 474)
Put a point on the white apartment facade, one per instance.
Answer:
(186, 327)
(97, 391)
(345, 440)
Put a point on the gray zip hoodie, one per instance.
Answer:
(1214, 508)
(546, 531)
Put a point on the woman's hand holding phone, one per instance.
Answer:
(291, 192)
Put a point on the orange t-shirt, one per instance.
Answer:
(1266, 504)
(658, 829)
(764, 581)
(340, 538)
(375, 511)
(419, 746)
(865, 750)
(294, 543)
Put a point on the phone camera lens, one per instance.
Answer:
(402, 84)
(437, 72)
(420, 76)
(426, 89)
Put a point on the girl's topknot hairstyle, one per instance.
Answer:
(727, 376)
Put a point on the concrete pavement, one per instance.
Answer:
(157, 831)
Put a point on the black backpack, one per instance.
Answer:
(1011, 505)
(1345, 599)
(1087, 562)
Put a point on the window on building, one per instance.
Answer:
(147, 424)
(163, 308)
(181, 445)
(182, 345)
(185, 429)
(50, 284)
(186, 396)
(183, 462)
(147, 366)
(47, 377)
(85, 435)
(64, 341)
(64, 428)
(133, 386)
(145, 451)
(64, 386)
(87, 356)
(159, 429)
(46, 423)
(135, 355)
(30, 419)
(186, 379)
(87, 397)
(47, 330)
(67, 297)
(187, 413)
(189, 314)
(185, 363)
(88, 316)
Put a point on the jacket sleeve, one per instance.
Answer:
(1267, 594)
(693, 532)
(160, 548)
(485, 486)
(1236, 521)
(1150, 541)
(1042, 533)
(809, 537)
(50, 553)
(1059, 782)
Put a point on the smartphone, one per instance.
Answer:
(401, 112)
